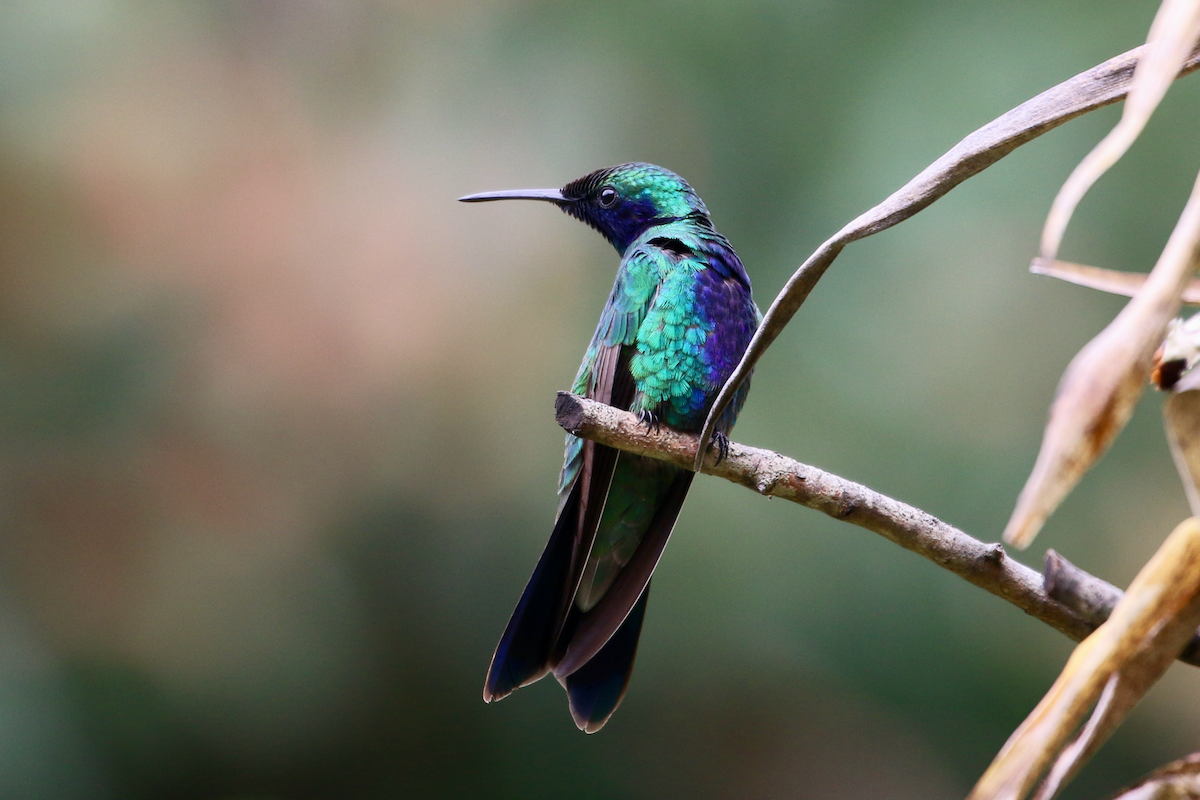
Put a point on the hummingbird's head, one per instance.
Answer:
(621, 202)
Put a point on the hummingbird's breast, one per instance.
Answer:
(693, 335)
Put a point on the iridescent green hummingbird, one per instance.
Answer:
(678, 319)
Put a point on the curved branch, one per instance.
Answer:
(775, 475)
(1087, 91)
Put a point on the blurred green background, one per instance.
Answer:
(276, 445)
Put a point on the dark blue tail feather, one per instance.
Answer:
(595, 689)
(523, 654)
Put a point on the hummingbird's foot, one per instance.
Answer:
(650, 420)
(722, 443)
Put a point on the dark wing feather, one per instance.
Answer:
(591, 631)
(528, 644)
(612, 384)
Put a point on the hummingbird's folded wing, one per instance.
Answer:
(594, 628)
(529, 642)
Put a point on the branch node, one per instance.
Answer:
(1090, 597)
(847, 505)
(1052, 574)
(994, 554)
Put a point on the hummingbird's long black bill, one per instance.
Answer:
(551, 195)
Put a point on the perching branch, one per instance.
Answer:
(775, 475)
(1087, 91)
(1092, 598)
(1086, 595)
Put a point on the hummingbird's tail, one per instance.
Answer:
(595, 689)
(524, 652)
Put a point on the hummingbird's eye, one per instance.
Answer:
(608, 197)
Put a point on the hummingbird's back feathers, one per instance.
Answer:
(676, 323)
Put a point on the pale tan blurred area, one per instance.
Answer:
(276, 445)
(274, 312)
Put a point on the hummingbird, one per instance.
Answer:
(676, 323)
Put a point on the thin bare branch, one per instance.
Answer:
(775, 475)
(1098, 87)
(1112, 281)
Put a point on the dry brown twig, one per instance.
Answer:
(1111, 281)
(1113, 668)
(1098, 87)
(1103, 382)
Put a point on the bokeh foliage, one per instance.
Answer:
(275, 417)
